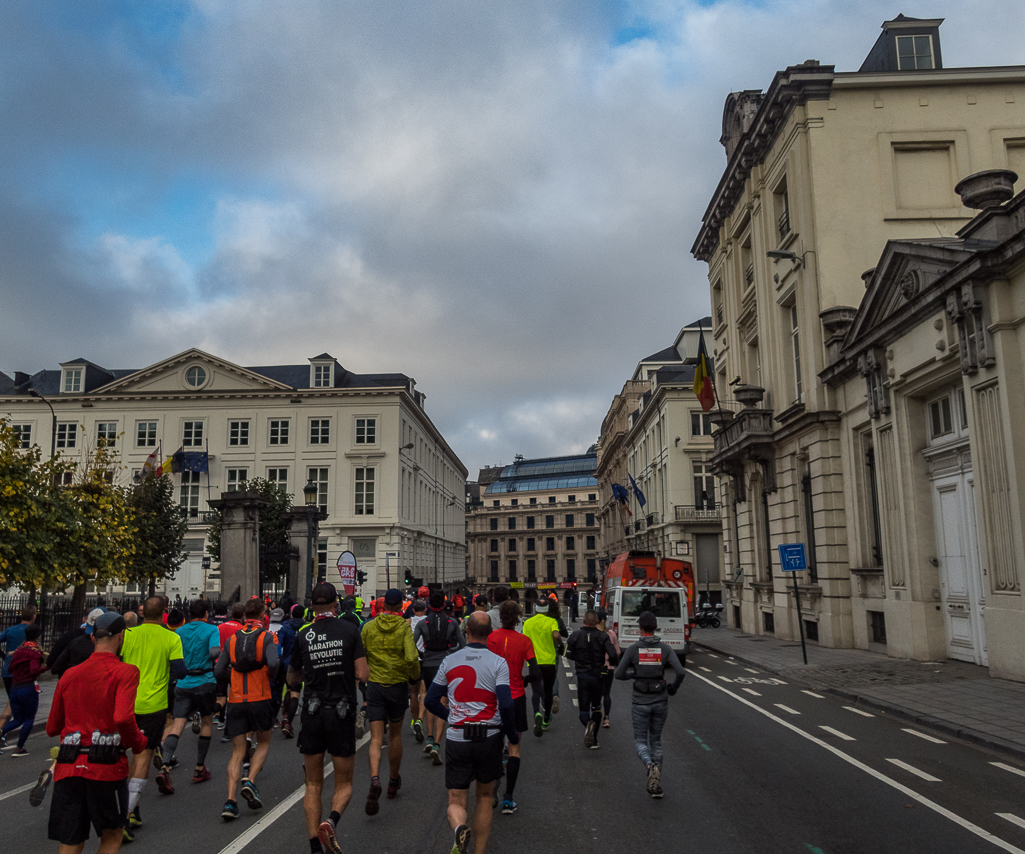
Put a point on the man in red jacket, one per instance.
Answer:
(91, 780)
(27, 663)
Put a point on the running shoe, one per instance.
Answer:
(461, 840)
(429, 746)
(158, 758)
(547, 722)
(555, 705)
(373, 796)
(127, 835)
(435, 754)
(251, 794)
(230, 811)
(394, 786)
(418, 730)
(508, 806)
(19, 752)
(590, 740)
(135, 818)
(327, 837)
(286, 729)
(220, 723)
(538, 724)
(200, 775)
(654, 777)
(361, 722)
(35, 797)
(225, 739)
(164, 783)
(197, 724)
(605, 722)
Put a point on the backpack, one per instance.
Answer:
(245, 650)
(437, 631)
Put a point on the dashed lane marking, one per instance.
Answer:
(859, 712)
(575, 703)
(751, 691)
(725, 679)
(837, 733)
(923, 735)
(813, 694)
(706, 669)
(712, 655)
(786, 709)
(731, 662)
(1010, 768)
(913, 770)
(17, 791)
(1011, 817)
(752, 670)
(982, 833)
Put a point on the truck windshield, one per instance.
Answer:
(661, 603)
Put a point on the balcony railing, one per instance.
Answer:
(749, 276)
(784, 223)
(751, 426)
(697, 514)
(199, 517)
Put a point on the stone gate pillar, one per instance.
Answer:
(299, 519)
(240, 542)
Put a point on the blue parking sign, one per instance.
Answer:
(792, 557)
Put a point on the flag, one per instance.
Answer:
(703, 389)
(637, 491)
(166, 467)
(192, 461)
(149, 467)
(620, 494)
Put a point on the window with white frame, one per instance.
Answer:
(948, 417)
(795, 341)
(279, 431)
(364, 481)
(67, 436)
(320, 431)
(72, 380)
(188, 494)
(146, 434)
(322, 376)
(704, 487)
(106, 433)
(319, 477)
(192, 434)
(700, 424)
(238, 434)
(23, 433)
(236, 479)
(366, 431)
(279, 477)
(914, 53)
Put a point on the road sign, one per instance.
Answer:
(347, 571)
(792, 557)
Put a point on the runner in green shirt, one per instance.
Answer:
(543, 632)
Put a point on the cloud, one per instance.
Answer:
(497, 199)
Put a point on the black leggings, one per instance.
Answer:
(548, 674)
(606, 690)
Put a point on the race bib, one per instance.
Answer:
(649, 656)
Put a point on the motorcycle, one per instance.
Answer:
(707, 616)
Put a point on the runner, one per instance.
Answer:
(517, 650)
(327, 661)
(226, 629)
(97, 696)
(157, 653)
(250, 659)
(609, 673)
(458, 604)
(475, 683)
(480, 603)
(556, 614)
(498, 595)
(286, 643)
(394, 666)
(543, 632)
(416, 692)
(589, 649)
(26, 663)
(646, 662)
(12, 638)
(441, 635)
(194, 695)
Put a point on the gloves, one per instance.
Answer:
(671, 690)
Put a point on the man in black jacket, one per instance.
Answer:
(587, 648)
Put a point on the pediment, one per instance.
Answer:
(172, 376)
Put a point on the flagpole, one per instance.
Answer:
(715, 391)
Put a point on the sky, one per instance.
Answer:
(497, 199)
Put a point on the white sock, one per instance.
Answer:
(135, 787)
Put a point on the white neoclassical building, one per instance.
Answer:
(391, 486)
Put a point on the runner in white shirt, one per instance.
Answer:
(479, 712)
(416, 692)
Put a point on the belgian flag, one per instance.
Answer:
(703, 388)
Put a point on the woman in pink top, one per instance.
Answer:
(608, 674)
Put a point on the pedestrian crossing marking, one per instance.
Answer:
(837, 733)
(1010, 768)
(1011, 817)
(913, 770)
(813, 694)
(859, 712)
(751, 692)
(923, 735)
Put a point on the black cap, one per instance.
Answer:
(109, 624)
(393, 597)
(324, 593)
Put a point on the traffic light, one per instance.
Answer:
(409, 577)
(361, 576)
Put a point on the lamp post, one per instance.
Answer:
(310, 496)
(53, 424)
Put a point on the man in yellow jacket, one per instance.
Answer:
(394, 665)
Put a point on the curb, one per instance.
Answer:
(973, 736)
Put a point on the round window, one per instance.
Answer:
(195, 376)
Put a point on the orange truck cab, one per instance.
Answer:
(639, 581)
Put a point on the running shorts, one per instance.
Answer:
(78, 802)
(325, 732)
(466, 761)
(241, 718)
(427, 673)
(152, 726)
(202, 699)
(387, 702)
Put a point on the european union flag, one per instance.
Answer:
(637, 491)
(192, 461)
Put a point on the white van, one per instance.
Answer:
(668, 604)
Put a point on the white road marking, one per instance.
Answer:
(861, 766)
(706, 669)
(915, 771)
(712, 655)
(725, 679)
(1010, 768)
(731, 662)
(751, 670)
(787, 709)
(923, 735)
(859, 712)
(751, 692)
(838, 734)
(575, 703)
(813, 694)
(17, 791)
(1011, 817)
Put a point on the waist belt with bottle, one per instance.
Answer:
(477, 731)
(105, 748)
(344, 708)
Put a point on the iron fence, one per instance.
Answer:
(56, 615)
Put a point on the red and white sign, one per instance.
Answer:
(347, 571)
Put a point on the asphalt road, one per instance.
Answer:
(752, 764)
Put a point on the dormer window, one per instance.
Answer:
(322, 372)
(72, 383)
(914, 52)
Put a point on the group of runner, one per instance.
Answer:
(465, 680)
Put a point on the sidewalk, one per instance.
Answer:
(959, 699)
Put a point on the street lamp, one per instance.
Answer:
(310, 496)
(53, 426)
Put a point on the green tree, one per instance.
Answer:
(274, 542)
(161, 525)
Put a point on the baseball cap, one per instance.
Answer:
(423, 592)
(324, 593)
(393, 597)
(108, 624)
(92, 616)
(277, 615)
